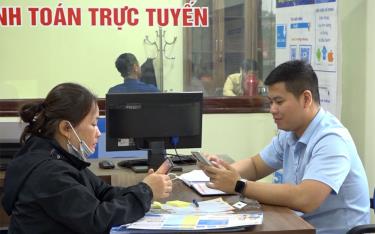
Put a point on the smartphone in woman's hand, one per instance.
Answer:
(165, 167)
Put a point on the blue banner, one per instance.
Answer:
(300, 25)
(291, 3)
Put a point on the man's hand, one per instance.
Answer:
(222, 176)
(214, 159)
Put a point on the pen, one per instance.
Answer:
(195, 203)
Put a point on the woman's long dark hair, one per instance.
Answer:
(66, 101)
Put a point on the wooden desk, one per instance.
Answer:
(124, 176)
(4, 218)
(275, 219)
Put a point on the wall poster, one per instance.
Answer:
(308, 30)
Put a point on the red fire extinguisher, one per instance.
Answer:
(250, 85)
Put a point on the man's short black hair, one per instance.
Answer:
(298, 77)
(249, 65)
(125, 62)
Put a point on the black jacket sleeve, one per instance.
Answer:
(106, 192)
(81, 201)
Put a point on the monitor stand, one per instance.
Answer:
(155, 157)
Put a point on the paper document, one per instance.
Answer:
(209, 214)
(193, 222)
(194, 176)
(217, 205)
(203, 190)
(197, 180)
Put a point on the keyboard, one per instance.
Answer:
(184, 160)
(178, 160)
(132, 162)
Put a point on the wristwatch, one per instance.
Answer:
(240, 186)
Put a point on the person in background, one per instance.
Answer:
(128, 66)
(234, 84)
(202, 82)
(48, 187)
(323, 176)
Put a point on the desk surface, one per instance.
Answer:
(275, 219)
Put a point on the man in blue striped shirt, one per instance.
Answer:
(323, 176)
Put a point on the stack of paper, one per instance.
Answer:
(180, 215)
(197, 180)
(193, 221)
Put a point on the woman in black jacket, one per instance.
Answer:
(48, 187)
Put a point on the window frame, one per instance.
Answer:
(211, 105)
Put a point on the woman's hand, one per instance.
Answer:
(160, 184)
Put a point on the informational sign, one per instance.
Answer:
(307, 30)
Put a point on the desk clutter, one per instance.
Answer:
(182, 215)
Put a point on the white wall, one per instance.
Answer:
(358, 70)
(369, 95)
(358, 114)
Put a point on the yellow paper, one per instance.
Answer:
(156, 205)
(178, 203)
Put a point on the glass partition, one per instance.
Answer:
(239, 31)
(37, 57)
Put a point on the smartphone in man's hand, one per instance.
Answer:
(200, 158)
(165, 167)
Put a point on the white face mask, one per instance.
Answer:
(84, 151)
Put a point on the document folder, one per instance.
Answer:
(162, 223)
(202, 189)
(197, 180)
(124, 230)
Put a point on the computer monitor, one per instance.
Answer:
(154, 121)
(9, 141)
(101, 148)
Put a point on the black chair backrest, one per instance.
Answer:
(369, 228)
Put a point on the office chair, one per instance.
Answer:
(366, 228)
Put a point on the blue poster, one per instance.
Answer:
(281, 36)
(305, 53)
(293, 52)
